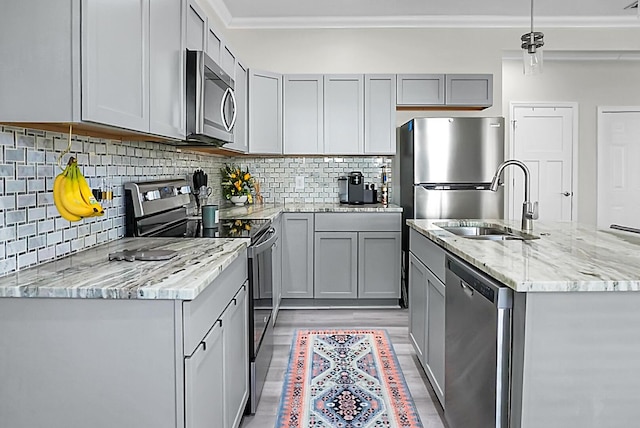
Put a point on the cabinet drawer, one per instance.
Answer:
(358, 222)
(200, 314)
(432, 255)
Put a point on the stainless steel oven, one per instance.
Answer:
(260, 255)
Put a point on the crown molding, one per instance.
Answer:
(220, 7)
(427, 22)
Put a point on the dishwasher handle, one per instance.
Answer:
(473, 281)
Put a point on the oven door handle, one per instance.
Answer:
(254, 250)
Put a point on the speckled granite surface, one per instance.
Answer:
(568, 257)
(271, 211)
(90, 274)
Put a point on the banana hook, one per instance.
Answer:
(68, 149)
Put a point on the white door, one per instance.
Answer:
(618, 172)
(543, 138)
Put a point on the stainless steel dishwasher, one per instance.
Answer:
(477, 348)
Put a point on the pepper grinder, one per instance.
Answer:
(384, 199)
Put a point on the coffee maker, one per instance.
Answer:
(356, 188)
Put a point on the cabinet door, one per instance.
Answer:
(204, 380)
(469, 90)
(265, 112)
(380, 114)
(336, 265)
(379, 265)
(420, 89)
(167, 67)
(343, 114)
(236, 358)
(240, 129)
(196, 27)
(297, 255)
(417, 305)
(303, 114)
(115, 63)
(214, 44)
(434, 357)
(228, 61)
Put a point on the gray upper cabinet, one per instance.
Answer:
(105, 62)
(343, 114)
(214, 44)
(228, 61)
(469, 90)
(240, 130)
(420, 89)
(380, 114)
(166, 69)
(297, 255)
(265, 112)
(336, 265)
(115, 64)
(450, 90)
(303, 114)
(196, 27)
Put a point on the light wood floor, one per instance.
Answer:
(396, 323)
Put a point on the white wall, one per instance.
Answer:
(590, 84)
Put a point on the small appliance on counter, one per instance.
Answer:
(353, 190)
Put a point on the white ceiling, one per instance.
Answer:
(424, 13)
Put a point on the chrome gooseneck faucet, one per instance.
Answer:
(529, 209)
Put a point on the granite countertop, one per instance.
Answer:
(90, 274)
(271, 211)
(568, 257)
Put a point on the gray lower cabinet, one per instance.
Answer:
(336, 265)
(379, 260)
(427, 308)
(417, 305)
(204, 382)
(357, 255)
(217, 373)
(297, 255)
(127, 362)
(236, 358)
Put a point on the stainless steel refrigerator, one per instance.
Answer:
(445, 167)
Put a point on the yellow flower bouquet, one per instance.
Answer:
(236, 182)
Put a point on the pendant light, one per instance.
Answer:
(531, 54)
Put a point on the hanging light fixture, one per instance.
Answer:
(531, 54)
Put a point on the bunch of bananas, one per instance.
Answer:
(72, 195)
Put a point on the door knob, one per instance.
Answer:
(568, 193)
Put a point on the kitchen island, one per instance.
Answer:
(88, 342)
(575, 341)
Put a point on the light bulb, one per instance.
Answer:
(532, 62)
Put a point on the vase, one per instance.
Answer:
(239, 200)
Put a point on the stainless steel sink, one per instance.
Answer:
(489, 232)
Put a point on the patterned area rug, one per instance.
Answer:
(345, 379)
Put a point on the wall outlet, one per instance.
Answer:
(299, 182)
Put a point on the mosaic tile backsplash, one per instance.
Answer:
(32, 231)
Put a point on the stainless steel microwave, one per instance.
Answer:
(211, 103)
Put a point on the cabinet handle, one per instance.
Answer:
(204, 345)
(220, 322)
(235, 302)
